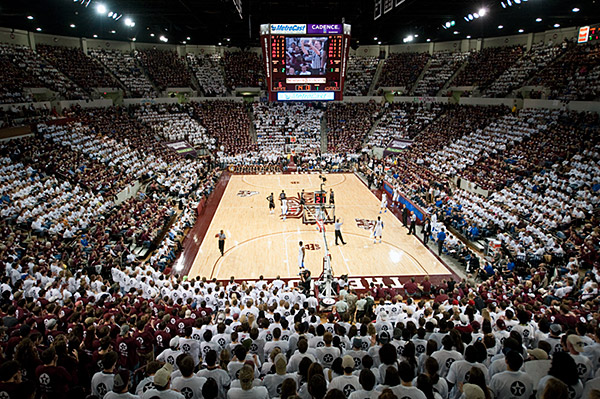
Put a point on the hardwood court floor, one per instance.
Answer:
(262, 244)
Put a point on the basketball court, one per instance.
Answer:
(259, 243)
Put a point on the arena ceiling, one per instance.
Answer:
(216, 21)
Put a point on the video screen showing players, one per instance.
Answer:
(306, 56)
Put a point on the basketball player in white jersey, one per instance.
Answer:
(395, 196)
(301, 253)
(383, 203)
(377, 230)
(284, 208)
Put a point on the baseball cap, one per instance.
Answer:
(576, 342)
(556, 328)
(357, 342)
(163, 375)
(473, 391)
(280, 364)
(174, 342)
(347, 361)
(538, 354)
(121, 380)
(124, 329)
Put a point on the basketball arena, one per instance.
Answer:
(358, 199)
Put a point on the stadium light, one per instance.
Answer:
(428, 40)
(72, 25)
(521, 30)
(557, 25)
(379, 42)
(101, 9)
(538, 20)
(189, 38)
(408, 38)
(151, 34)
(163, 39)
(575, 9)
(503, 5)
(476, 16)
(500, 26)
(133, 39)
(30, 17)
(470, 17)
(113, 31)
(39, 29)
(375, 38)
(482, 12)
(95, 36)
(110, 14)
(468, 36)
(129, 22)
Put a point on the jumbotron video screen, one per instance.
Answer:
(305, 62)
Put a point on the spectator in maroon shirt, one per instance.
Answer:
(426, 287)
(411, 287)
(127, 347)
(441, 297)
(53, 381)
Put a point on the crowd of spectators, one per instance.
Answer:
(360, 74)
(14, 79)
(536, 59)
(402, 69)
(277, 124)
(563, 76)
(243, 69)
(442, 67)
(85, 71)
(217, 117)
(165, 68)
(42, 71)
(487, 65)
(125, 67)
(209, 73)
(26, 114)
(403, 121)
(348, 125)
(174, 122)
(473, 156)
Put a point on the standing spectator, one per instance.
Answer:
(102, 381)
(162, 385)
(441, 237)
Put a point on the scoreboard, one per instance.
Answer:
(589, 34)
(305, 62)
